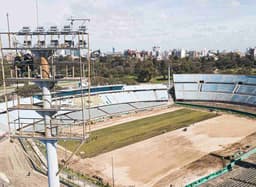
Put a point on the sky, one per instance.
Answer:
(142, 24)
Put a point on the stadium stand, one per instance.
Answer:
(237, 89)
(114, 94)
(94, 89)
(144, 87)
(117, 109)
(134, 96)
(109, 110)
(243, 175)
(94, 112)
(105, 101)
(143, 105)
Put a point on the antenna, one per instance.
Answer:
(37, 23)
(8, 25)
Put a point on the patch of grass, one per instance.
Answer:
(75, 174)
(239, 71)
(108, 139)
(159, 80)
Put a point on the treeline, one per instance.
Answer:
(130, 70)
(127, 68)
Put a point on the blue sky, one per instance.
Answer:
(141, 24)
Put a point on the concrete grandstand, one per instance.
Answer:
(231, 93)
(106, 101)
(239, 89)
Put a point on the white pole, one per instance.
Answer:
(113, 175)
(37, 24)
(52, 160)
(8, 25)
(169, 75)
(89, 83)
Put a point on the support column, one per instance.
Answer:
(169, 76)
(51, 150)
(52, 162)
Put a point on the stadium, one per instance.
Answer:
(198, 130)
(140, 135)
(128, 93)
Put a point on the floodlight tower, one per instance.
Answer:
(45, 77)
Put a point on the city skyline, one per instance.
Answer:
(188, 24)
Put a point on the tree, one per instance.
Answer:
(163, 68)
(144, 75)
(144, 71)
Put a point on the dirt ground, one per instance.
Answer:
(14, 167)
(155, 162)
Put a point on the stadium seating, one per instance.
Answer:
(161, 95)
(134, 96)
(246, 178)
(109, 110)
(94, 112)
(105, 101)
(116, 109)
(143, 105)
(244, 89)
(240, 89)
(228, 88)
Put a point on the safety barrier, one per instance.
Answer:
(222, 171)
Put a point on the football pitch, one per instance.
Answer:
(111, 138)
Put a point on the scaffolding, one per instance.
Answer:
(42, 44)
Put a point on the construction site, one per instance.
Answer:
(201, 134)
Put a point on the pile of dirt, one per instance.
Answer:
(15, 167)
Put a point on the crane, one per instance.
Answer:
(83, 20)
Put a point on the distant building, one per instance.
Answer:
(130, 53)
(251, 52)
(239, 53)
(193, 54)
(166, 55)
(117, 54)
(156, 51)
(180, 53)
(224, 52)
(204, 53)
(213, 54)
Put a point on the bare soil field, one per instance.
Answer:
(15, 168)
(168, 158)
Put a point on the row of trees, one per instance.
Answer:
(129, 70)
(144, 71)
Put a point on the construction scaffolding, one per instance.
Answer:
(42, 45)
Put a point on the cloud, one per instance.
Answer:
(141, 24)
(235, 3)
